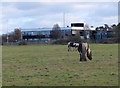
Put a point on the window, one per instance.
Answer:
(77, 25)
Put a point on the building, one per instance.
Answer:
(36, 33)
(76, 29)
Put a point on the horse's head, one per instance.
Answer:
(89, 54)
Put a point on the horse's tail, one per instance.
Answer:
(80, 47)
(89, 53)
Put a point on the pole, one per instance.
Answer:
(64, 23)
(64, 20)
(7, 32)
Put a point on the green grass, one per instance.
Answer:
(53, 65)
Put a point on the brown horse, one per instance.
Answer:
(84, 51)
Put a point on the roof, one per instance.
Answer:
(35, 29)
(43, 29)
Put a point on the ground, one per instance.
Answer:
(53, 65)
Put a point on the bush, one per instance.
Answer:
(76, 39)
(110, 40)
(22, 43)
(61, 41)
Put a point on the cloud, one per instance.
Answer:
(60, 1)
(111, 19)
(83, 6)
(106, 9)
(46, 14)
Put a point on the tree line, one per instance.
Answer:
(12, 36)
(16, 35)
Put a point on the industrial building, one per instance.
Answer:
(75, 29)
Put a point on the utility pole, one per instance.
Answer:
(64, 19)
(64, 23)
(7, 32)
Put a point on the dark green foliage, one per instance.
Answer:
(76, 39)
(61, 41)
(22, 43)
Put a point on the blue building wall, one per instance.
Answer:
(100, 34)
(95, 35)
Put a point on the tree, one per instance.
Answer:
(106, 26)
(4, 38)
(118, 27)
(113, 26)
(17, 34)
(56, 32)
(117, 30)
(101, 28)
(12, 36)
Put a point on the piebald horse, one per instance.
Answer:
(84, 51)
(72, 44)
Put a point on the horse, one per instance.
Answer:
(84, 51)
(72, 44)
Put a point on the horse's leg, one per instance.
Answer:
(85, 57)
(81, 57)
(76, 48)
(68, 48)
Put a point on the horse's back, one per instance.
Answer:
(71, 44)
(82, 47)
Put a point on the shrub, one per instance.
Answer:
(68, 39)
(109, 40)
(22, 43)
(75, 39)
(61, 41)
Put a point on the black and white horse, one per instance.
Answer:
(84, 51)
(72, 44)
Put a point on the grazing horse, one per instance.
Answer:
(84, 51)
(72, 44)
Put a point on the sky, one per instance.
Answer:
(45, 14)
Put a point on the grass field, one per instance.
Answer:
(53, 65)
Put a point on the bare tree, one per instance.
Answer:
(12, 36)
(56, 32)
(17, 35)
(4, 38)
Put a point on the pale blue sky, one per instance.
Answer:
(46, 14)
